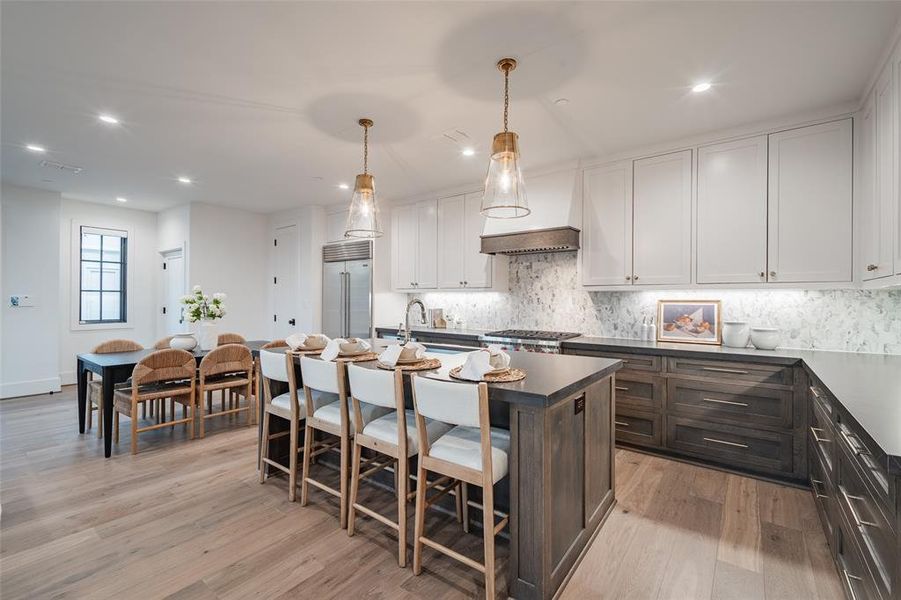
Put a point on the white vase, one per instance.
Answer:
(207, 334)
(765, 338)
(183, 341)
(736, 334)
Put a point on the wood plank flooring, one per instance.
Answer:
(188, 520)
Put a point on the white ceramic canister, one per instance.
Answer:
(207, 334)
(736, 334)
(183, 341)
(765, 338)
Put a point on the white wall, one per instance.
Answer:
(229, 253)
(29, 349)
(143, 269)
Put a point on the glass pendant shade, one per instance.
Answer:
(505, 192)
(363, 219)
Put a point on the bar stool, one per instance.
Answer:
(162, 374)
(95, 389)
(391, 435)
(275, 366)
(472, 452)
(325, 389)
(229, 369)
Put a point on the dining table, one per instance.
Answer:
(115, 368)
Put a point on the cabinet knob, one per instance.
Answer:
(772, 273)
(762, 274)
(461, 283)
(635, 278)
(628, 278)
(872, 267)
(465, 283)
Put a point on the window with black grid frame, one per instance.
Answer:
(102, 275)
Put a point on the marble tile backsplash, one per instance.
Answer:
(545, 293)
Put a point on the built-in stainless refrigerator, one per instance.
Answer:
(347, 289)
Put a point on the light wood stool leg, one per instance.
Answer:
(116, 426)
(465, 503)
(307, 449)
(264, 447)
(345, 468)
(354, 488)
(401, 469)
(488, 530)
(419, 519)
(292, 461)
(134, 430)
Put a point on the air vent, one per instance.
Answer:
(341, 251)
(61, 167)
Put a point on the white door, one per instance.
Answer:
(404, 246)
(173, 290)
(476, 266)
(427, 255)
(868, 203)
(732, 182)
(285, 290)
(662, 219)
(809, 229)
(607, 225)
(451, 240)
(882, 263)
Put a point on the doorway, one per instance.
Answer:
(284, 282)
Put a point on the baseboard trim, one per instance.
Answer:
(16, 389)
(68, 378)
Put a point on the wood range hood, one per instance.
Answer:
(536, 241)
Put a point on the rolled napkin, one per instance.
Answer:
(354, 346)
(296, 341)
(395, 352)
(316, 341)
(484, 361)
(332, 349)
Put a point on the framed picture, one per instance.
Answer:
(689, 321)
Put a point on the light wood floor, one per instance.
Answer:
(189, 520)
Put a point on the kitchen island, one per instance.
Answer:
(561, 460)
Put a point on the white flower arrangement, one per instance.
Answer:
(200, 307)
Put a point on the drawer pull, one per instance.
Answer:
(729, 402)
(849, 579)
(724, 442)
(621, 423)
(818, 439)
(725, 370)
(855, 446)
(816, 492)
(857, 519)
(815, 392)
(620, 388)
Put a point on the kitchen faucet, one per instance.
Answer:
(407, 317)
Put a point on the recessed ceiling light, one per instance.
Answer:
(185, 180)
(121, 199)
(343, 186)
(701, 87)
(108, 119)
(467, 151)
(561, 101)
(35, 148)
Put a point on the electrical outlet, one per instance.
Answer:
(20, 301)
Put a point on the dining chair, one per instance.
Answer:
(227, 368)
(472, 452)
(221, 340)
(95, 386)
(327, 408)
(230, 338)
(163, 343)
(161, 374)
(391, 435)
(276, 366)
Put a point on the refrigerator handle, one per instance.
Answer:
(347, 304)
(343, 295)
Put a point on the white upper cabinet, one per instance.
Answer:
(868, 204)
(334, 226)
(662, 220)
(451, 238)
(731, 212)
(896, 166)
(414, 246)
(607, 225)
(477, 267)
(810, 204)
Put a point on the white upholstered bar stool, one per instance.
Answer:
(472, 452)
(392, 435)
(277, 366)
(328, 411)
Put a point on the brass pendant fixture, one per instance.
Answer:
(363, 219)
(505, 192)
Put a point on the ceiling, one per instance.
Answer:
(258, 102)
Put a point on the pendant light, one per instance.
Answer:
(505, 192)
(363, 219)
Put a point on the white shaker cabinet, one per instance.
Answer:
(477, 267)
(607, 225)
(809, 212)
(414, 246)
(335, 224)
(731, 212)
(662, 220)
(460, 261)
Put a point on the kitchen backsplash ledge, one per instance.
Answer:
(545, 294)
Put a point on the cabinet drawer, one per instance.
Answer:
(730, 371)
(871, 461)
(868, 524)
(731, 445)
(824, 497)
(631, 362)
(642, 429)
(639, 391)
(822, 438)
(740, 403)
(855, 577)
(818, 397)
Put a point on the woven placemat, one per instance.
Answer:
(365, 357)
(422, 365)
(505, 377)
(306, 352)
